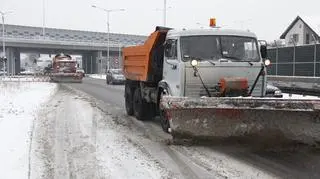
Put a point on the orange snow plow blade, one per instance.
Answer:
(66, 77)
(221, 118)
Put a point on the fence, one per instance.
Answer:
(295, 61)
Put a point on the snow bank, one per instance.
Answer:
(297, 96)
(97, 76)
(25, 79)
(19, 103)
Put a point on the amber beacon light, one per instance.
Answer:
(212, 22)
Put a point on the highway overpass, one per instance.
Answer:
(91, 45)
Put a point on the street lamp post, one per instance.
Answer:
(3, 38)
(43, 20)
(164, 12)
(108, 11)
(119, 58)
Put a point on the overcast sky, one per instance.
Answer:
(268, 19)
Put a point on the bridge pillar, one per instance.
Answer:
(13, 62)
(90, 62)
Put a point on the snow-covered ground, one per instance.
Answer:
(97, 76)
(297, 96)
(87, 144)
(19, 103)
(27, 78)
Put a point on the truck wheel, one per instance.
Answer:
(128, 99)
(163, 119)
(140, 107)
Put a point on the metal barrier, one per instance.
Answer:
(298, 85)
(295, 61)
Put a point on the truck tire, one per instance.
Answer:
(129, 99)
(163, 119)
(140, 106)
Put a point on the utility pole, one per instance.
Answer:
(3, 39)
(164, 13)
(108, 11)
(43, 20)
(108, 50)
(119, 58)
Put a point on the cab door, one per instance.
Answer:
(172, 67)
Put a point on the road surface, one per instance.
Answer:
(83, 132)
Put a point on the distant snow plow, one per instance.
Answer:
(65, 70)
(218, 118)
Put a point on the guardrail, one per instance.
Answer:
(297, 84)
(65, 42)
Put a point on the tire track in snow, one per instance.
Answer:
(61, 169)
(31, 134)
(180, 165)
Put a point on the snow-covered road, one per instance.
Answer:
(72, 134)
(74, 139)
(97, 76)
(19, 104)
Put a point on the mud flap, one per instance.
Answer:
(256, 118)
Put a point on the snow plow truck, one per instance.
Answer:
(64, 69)
(211, 84)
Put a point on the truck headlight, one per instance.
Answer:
(194, 63)
(267, 62)
(277, 92)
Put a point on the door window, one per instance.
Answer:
(171, 49)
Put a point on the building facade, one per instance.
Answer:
(299, 33)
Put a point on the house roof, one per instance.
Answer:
(283, 36)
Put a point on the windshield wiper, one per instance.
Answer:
(247, 61)
(201, 59)
(197, 73)
(239, 59)
(232, 57)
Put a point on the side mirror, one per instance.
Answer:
(186, 57)
(263, 51)
(167, 47)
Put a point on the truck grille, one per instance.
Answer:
(196, 89)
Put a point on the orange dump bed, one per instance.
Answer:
(138, 60)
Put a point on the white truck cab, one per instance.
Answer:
(219, 53)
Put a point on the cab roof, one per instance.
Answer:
(213, 31)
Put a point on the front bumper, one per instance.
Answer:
(118, 81)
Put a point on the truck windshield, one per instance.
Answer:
(216, 47)
(67, 64)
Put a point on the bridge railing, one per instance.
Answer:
(48, 40)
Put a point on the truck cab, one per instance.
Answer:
(220, 55)
(192, 63)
